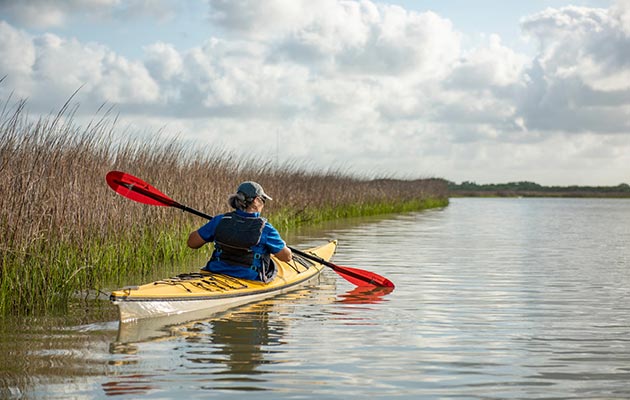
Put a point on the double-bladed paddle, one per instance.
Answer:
(138, 190)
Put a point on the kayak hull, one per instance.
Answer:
(210, 293)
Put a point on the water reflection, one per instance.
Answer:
(36, 350)
(496, 299)
(235, 341)
(365, 295)
(137, 384)
(229, 351)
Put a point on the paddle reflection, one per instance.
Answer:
(365, 295)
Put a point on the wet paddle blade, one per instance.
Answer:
(138, 190)
(361, 277)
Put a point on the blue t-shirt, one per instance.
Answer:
(270, 242)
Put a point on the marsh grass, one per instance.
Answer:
(65, 233)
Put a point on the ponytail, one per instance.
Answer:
(238, 201)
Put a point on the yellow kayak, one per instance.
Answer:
(209, 292)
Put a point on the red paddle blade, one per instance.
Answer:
(361, 277)
(138, 190)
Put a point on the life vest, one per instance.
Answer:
(236, 242)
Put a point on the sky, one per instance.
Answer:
(484, 91)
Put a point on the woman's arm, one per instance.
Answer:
(195, 240)
(284, 255)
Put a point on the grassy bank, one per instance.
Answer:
(63, 231)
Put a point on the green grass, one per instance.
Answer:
(287, 219)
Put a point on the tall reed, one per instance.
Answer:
(63, 231)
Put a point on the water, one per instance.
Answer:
(495, 299)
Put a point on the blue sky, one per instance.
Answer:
(486, 91)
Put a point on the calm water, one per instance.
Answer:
(495, 299)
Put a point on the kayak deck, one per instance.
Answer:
(214, 292)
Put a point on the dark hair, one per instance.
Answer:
(238, 201)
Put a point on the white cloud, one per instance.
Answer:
(37, 13)
(17, 56)
(125, 81)
(583, 43)
(580, 79)
(49, 69)
(350, 82)
(344, 36)
(477, 98)
(491, 67)
(621, 15)
(164, 61)
(260, 20)
(44, 14)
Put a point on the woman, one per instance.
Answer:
(243, 240)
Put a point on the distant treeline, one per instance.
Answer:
(532, 189)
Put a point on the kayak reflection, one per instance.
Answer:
(187, 326)
(232, 344)
(235, 341)
(365, 295)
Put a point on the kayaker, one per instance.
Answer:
(243, 240)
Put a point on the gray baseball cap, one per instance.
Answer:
(252, 189)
